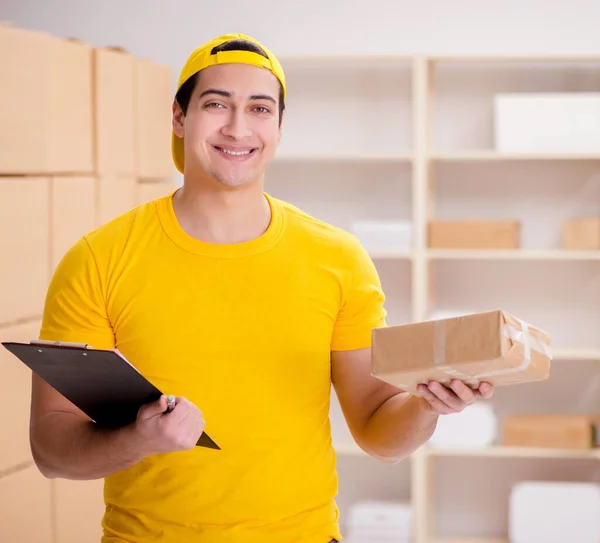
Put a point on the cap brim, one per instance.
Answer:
(177, 152)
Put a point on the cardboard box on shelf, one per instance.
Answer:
(562, 431)
(581, 234)
(553, 510)
(24, 247)
(153, 96)
(547, 122)
(492, 346)
(73, 213)
(45, 104)
(474, 234)
(113, 77)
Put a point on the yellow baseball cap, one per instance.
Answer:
(203, 58)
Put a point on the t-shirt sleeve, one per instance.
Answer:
(362, 304)
(75, 306)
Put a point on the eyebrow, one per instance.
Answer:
(227, 94)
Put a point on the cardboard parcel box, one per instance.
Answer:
(494, 346)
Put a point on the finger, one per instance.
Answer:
(155, 408)
(181, 400)
(437, 405)
(446, 395)
(464, 393)
(486, 390)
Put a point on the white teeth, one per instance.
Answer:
(235, 153)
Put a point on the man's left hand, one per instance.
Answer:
(446, 400)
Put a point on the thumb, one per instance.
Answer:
(154, 409)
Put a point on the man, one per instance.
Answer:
(247, 310)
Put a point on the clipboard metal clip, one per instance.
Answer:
(66, 344)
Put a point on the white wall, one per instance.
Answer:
(168, 34)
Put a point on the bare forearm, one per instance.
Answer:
(398, 427)
(67, 446)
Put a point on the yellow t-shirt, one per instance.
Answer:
(245, 332)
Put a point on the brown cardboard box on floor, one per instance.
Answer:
(474, 234)
(562, 431)
(581, 234)
(114, 112)
(45, 104)
(493, 346)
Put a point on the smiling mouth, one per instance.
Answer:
(235, 152)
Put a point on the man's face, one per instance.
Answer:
(231, 129)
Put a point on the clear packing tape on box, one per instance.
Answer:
(495, 347)
(520, 335)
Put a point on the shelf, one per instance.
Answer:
(515, 452)
(512, 254)
(337, 157)
(573, 355)
(391, 255)
(494, 156)
(571, 59)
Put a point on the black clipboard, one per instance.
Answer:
(102, 383)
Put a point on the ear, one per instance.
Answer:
(178, 120)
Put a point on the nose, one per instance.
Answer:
(237, 125)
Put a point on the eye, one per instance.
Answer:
(213, 105)
(262, 109)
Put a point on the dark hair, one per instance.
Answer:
(185, 92)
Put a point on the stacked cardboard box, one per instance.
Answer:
(85, 136)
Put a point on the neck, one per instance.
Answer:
(221, 216)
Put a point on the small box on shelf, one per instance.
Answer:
(554, 511)
(559, 431)
(581, 234)
(383, 235)
(380, 520)
(474, 234)
(548, 122)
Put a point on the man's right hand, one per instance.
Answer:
(160, 431)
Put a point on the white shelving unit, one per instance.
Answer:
(411, 138)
